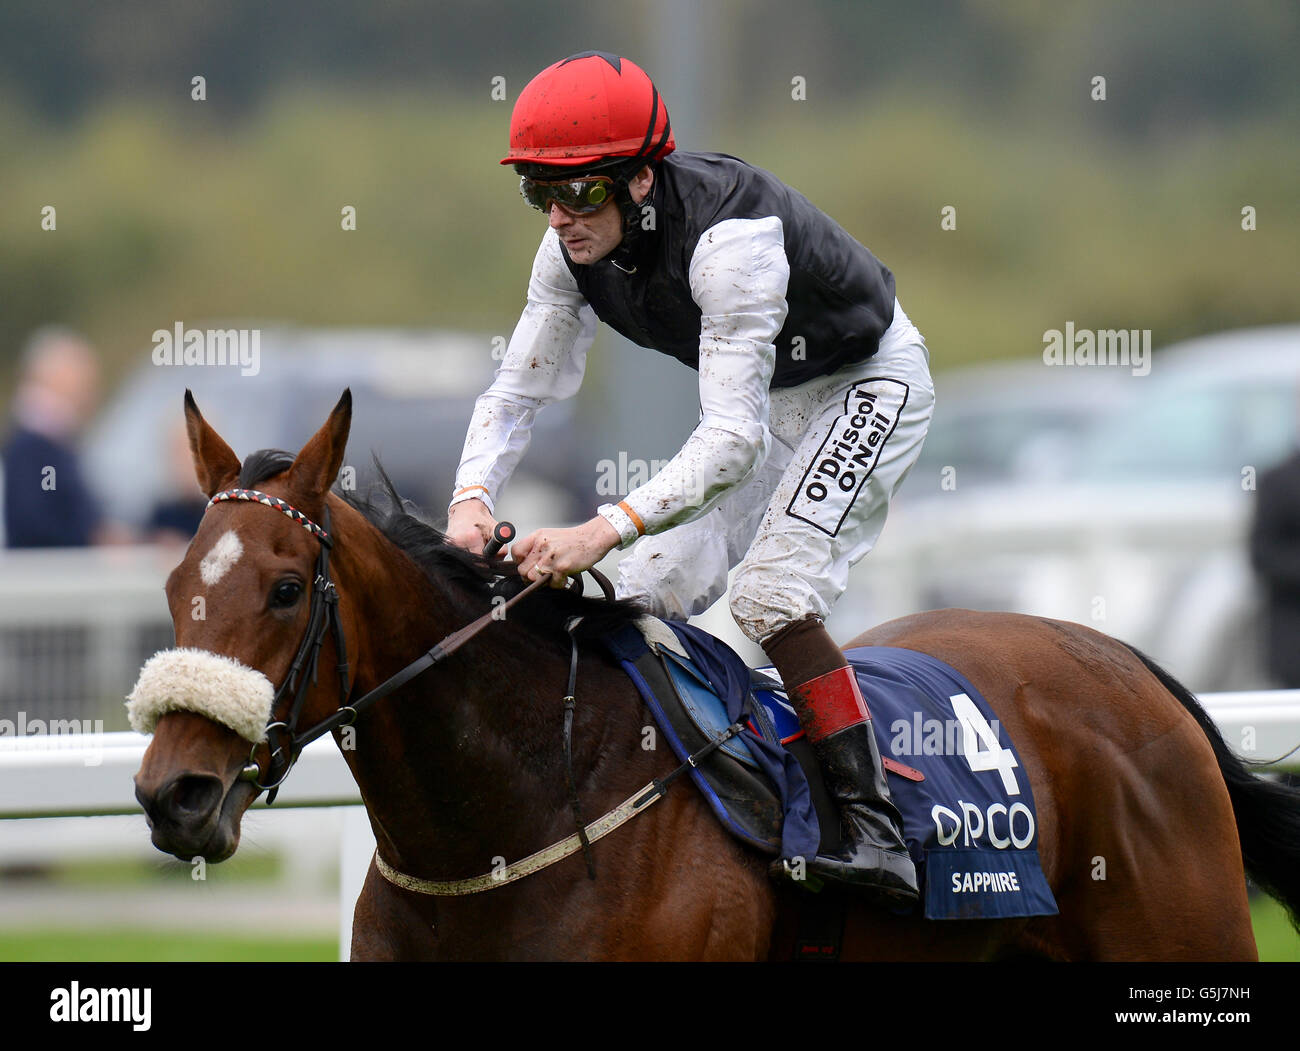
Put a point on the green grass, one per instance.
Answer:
(132, 945)
(1276, 939)
(1055, 222)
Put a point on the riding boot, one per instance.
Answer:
(871, 856)
(872, 853)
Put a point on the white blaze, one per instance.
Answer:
(224, 554)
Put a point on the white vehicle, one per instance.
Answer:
(1130, 512)
(412, 394)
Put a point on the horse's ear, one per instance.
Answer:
(317, 465)
(215, 464)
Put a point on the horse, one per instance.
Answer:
(462, 765)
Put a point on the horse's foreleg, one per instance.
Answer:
(699, 895)
(386, 927)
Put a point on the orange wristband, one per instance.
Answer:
(636, 518)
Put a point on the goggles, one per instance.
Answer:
(581, 196)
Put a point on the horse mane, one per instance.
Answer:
(263, 464)
(403, 525)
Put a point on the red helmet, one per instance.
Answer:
(586, 110)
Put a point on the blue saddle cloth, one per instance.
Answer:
(970, 824)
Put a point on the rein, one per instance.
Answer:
(323, 617)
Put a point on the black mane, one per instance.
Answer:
(401, 523)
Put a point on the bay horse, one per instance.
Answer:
(1148, 823)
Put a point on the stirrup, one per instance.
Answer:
(899, 890)
(805, 877)
(796, 875)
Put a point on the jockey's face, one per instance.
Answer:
(589, 238)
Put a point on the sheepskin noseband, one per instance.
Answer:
(187, 680)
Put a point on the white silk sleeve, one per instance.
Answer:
(544, 362)
(738, 275)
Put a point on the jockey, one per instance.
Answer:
(815, 397)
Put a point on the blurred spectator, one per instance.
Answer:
(1275, 554)
(46, 500)
(175, 517)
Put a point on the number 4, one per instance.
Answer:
(975, 731)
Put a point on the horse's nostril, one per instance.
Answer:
(146, 801)
(190, 796)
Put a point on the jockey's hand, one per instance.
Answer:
(470, 525)
(561, 552)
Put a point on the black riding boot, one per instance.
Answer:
(872, 854)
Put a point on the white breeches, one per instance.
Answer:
(841, 446)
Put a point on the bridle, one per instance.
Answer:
(282, 736)
(286, 743)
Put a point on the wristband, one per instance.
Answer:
(471, 492)
(626, 522)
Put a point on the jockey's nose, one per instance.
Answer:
(558, 217)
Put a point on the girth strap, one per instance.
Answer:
(641, 800)
(598, 829)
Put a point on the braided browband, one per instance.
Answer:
(257, 497)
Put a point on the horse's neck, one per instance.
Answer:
(464, 763)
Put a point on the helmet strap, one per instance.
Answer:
(625, 255)
(630, 249)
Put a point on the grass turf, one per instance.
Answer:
(133, 945)
(1276, 939)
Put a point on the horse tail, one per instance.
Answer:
(1268, 812)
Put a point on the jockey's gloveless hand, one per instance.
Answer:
(560, 553)
(470, 525)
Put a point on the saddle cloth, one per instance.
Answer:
(967, 805)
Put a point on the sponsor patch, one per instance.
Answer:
(849, 454)
(971, 826)
(985, 884)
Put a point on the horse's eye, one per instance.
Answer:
(286, 593)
